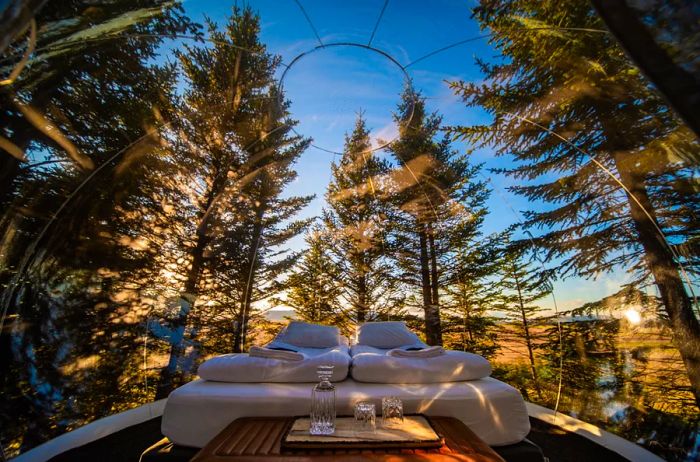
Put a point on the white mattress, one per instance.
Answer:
(239, 367)
(375, 365)
(199, 410)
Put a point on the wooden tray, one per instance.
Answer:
(416, 432)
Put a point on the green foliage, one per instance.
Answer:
(472, 295)
(312, 288)
(581, 86)
(522, 284)
(71, 348)
(592, 140)
(166, 249)
(357, 225)
(440, 207)
(234, 146)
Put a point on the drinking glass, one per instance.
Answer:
(392, 411)
(365, 416)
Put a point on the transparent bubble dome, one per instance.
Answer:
(513, 179)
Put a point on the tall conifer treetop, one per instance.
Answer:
(358, 227)
(622, 179)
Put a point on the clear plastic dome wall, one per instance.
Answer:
(177, 179)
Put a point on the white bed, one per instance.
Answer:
(197, 411)
(370, 364)
(240, 367)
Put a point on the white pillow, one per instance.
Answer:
(303, 334)
(387, 334)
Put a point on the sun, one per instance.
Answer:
(633, 316)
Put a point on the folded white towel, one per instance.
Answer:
(262, 352)
(429, 352)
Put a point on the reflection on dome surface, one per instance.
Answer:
(179, 179)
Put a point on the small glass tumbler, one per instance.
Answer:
(365, 417)
(392, 411)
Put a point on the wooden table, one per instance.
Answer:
(255, 439)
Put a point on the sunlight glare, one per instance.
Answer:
(633, 316)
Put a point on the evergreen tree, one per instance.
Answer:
(357, 224)
(232, 141)
(581, 86)
(77, 292)
(522, 285)
(574, 352)
(81, 88)
(312, 288)
(271, 222)
(473, 294)
(440, 200)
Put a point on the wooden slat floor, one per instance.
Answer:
(256, 439)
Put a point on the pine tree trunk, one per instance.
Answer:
(678, 85)
(361, 308)
(9, 169)
(528, 339)
(238, 329)
(425, 274)
(240, 334)
(433, 326)
(169, 374)
(464, 331)
(468, 324)
(684, 324)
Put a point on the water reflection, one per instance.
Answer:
(624, 377)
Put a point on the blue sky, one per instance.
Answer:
(330, 86)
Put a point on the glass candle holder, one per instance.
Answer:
(392, 411)
(365, 417)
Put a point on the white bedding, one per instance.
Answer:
(386, 334)
(305, 334)
(197, 411)
(239, 367)
(375, 365)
